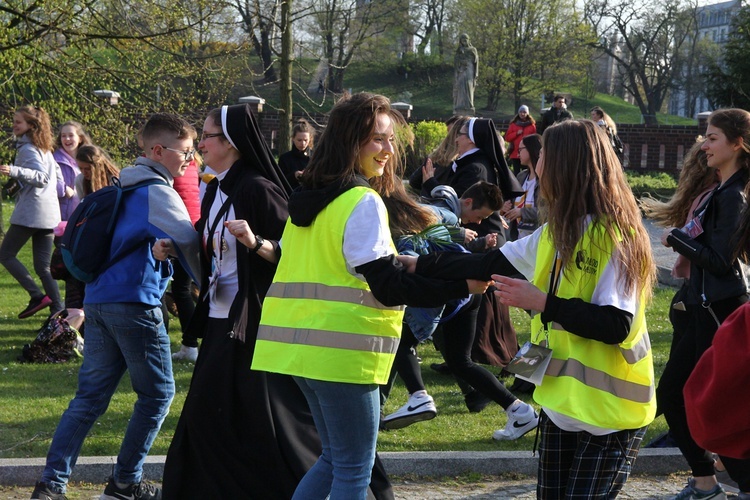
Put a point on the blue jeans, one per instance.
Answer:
(119, 337)
(347, 417)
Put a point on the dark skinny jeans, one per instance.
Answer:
(458, 339)
(41, 245)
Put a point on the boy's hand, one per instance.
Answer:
(162, 249)
(490, 240)
(469, 235)
(408, 261)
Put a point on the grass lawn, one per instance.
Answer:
(32, 397)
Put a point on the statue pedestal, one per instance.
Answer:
(464, 111)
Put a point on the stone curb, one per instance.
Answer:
(664, 276)
(652, 461)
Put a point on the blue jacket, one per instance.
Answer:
(149, 213)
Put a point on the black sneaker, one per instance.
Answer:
(476, 401)
(521, 387)
(141, 491)
(441, 368)
(35, 305)
(43, 492)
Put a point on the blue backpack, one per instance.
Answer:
(86, 243)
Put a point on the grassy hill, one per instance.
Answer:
(430, 92)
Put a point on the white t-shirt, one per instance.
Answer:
(225, 257)
(366, 234)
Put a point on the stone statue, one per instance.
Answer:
(466, 66)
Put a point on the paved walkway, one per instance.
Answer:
(638, 487)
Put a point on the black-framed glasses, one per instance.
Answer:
(189, 154)
(521, 149)
(463, 133)
(205, 136)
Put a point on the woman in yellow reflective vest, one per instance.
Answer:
(332, 317)
(590, 273)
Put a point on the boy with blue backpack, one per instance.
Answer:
(478, 202)
(124, 324)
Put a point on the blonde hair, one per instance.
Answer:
(447, 150)
(695, 178)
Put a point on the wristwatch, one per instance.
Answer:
(258, 243)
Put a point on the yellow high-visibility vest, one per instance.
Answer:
(609, 386)
(319, 321)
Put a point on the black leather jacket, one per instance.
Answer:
(713, 272)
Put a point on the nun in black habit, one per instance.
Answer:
(242, 434)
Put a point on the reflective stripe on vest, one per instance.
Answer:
(610, 386)
(326, 292)
(318, 320)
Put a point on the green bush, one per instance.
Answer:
(427, 136)
(658, 184)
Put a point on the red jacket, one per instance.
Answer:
(515, 133)
(188, 187)
(716, 394)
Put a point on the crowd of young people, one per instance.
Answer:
(288, 404)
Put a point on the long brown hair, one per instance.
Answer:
(582, 177)
(405, 214)
(40, 127)
(102, 167)
(350, 126)
(735, 124)
(695, 178)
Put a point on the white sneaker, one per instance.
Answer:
(420, 407)
(521, 420)
(186, 354)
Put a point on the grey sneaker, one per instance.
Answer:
(690, 492)
(186, 354)
(43, 492)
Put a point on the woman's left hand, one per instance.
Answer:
(519, 293)
(241, 230)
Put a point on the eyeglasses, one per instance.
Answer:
(521, 149)
(463, 133)
(205, 136)
(189, 154)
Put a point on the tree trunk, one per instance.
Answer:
(285, 87)
(266, 55)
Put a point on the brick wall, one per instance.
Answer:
(647, 148)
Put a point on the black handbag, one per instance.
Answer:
(12, 187)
